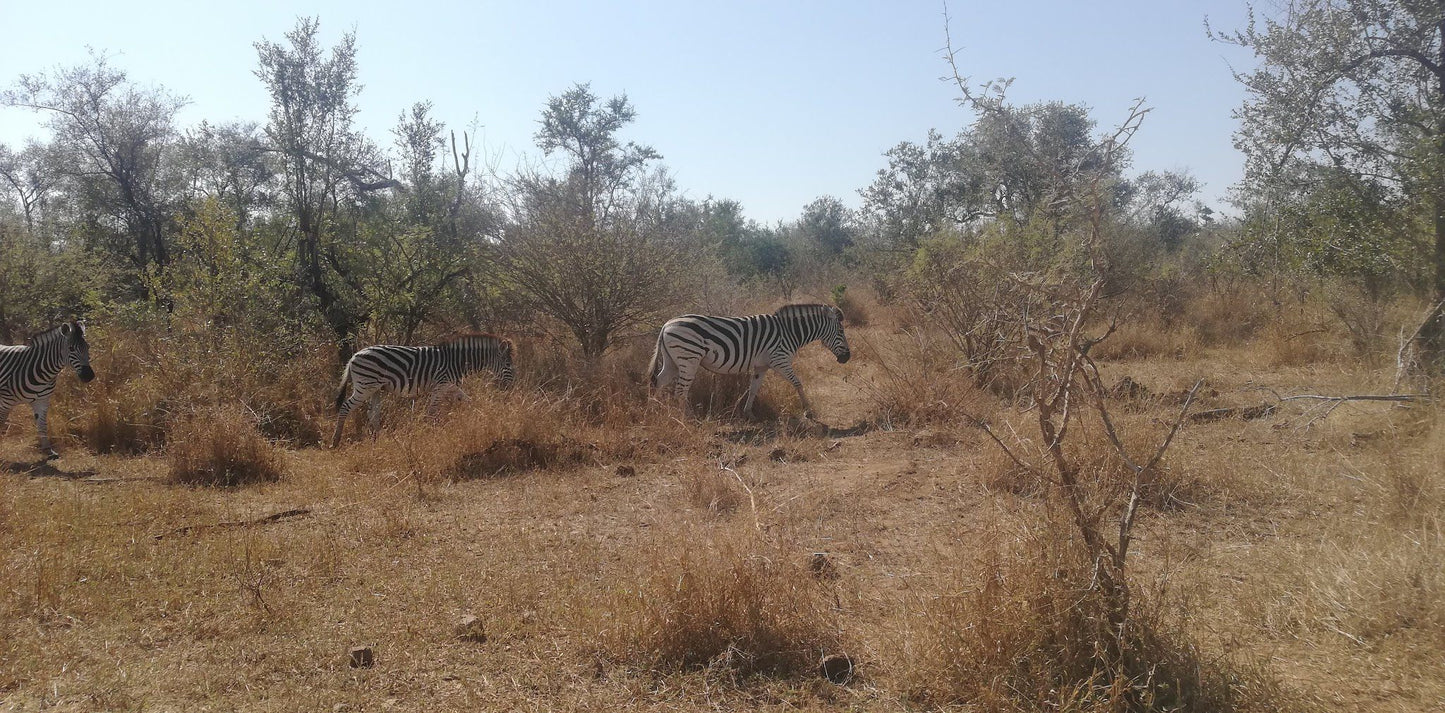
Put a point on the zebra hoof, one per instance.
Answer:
(50, 454)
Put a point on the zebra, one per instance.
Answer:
(412, 370)
(28, 373)
(741, 345)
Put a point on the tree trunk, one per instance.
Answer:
(1433, 335)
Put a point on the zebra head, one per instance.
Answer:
(77, 350)
(833, 337)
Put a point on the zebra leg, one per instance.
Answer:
(341, 413)
(787, 371)
(375, 414)
(41, 406)
(686, 370)
(757, 383)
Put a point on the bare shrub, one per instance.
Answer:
(221, 447)
(922, 381)
(1019, 626)
(1364, 315)
(738, 605)
(974, 304)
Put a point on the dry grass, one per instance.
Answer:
(1145, 338)
(1285, 562)
(729, 602)
(222, 447)
(920, 382)
(1021, 628)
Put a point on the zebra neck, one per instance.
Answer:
(49, 359)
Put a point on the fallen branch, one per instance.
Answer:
(1267, 408)
(274, 517)
(1247, 413)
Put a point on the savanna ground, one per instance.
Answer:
(619, 557)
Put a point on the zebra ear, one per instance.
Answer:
(65, 329)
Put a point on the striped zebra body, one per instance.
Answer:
(28, 373)
(744, 345)
(410, 371)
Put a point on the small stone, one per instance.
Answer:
(471, 629)
(362, 657)
(837, 668)
(626, 471)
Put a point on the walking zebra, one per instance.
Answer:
(741, 345)
(412, 370)
(28, 373)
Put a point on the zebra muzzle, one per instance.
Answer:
(85, 373)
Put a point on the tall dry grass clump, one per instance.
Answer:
(1019, 626)
(1379, 580)
(150, 375)
(222, 447)
(922, 381)
(1142, 338)
(737, 605)
(498, 433)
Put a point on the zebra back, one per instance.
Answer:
(476, 350)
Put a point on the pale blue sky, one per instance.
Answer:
(771, 103)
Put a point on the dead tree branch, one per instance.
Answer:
(274, 517)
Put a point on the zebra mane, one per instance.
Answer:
(46, 335)
(808, 310)
(473, 336)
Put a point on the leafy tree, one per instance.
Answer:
(325, 162)
(110, 137)
(1348, 106)
(598, 245)
(924, 190)
(230, 163)
(27, 179)
(828, 226)
(1019, 164)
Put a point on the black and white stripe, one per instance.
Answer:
(411, 370)
(28, 373)
(742, 345)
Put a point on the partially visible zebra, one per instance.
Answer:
(741, 345)
(412, 370)
(28, 373)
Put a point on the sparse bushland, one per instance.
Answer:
(623, 556)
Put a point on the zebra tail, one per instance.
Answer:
(659, 353)
(341, 391)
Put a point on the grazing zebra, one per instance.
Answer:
(28, 373)
(741, 345)
(412, 370)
